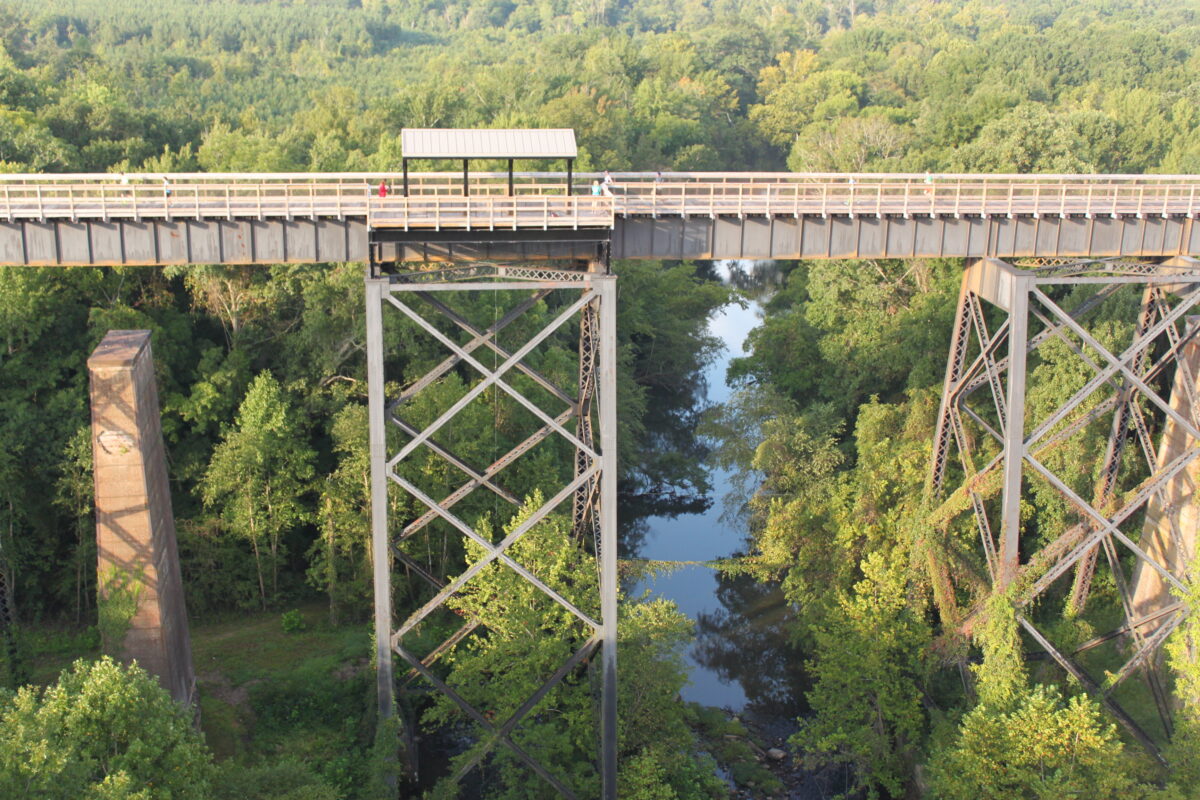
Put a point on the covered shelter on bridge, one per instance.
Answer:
(476, 143)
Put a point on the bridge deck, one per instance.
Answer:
(136, 218)
(539, 200)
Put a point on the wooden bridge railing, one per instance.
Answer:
(540, 200)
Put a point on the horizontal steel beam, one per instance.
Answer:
(327, 239)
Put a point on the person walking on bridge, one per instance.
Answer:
(383, 189)
(607, 184)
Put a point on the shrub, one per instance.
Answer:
(293, 621)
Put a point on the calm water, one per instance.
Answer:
(741, 659)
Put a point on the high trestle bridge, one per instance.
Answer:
(49, 220)
(545, 240)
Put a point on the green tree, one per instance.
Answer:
(1042, 747)
(260, 473)
(1028, 742)
(102, 731)
(340, 558)
(73, 495)
(868, 669)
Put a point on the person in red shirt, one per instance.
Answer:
(383, 189)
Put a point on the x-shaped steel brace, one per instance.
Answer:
(1116, 364)
(1107, 526)
(493, 552)
(480, 338)
(494, 468)
(491, 377)
(503, 733)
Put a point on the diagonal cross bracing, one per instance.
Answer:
(494, 552)
(592, 487)
(490, 377)
(495, 467)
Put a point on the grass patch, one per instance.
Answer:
(304, 695)
(45, 652)
(255, 646)
(223, 729)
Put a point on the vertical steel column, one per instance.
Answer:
(954, 367)
(1014, 432)
(607, 285)
(379, 492)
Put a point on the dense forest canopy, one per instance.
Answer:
(261, 370)
(820, 86)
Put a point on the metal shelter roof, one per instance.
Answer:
(488, 143)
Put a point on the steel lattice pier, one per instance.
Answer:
(589, 497)
(1005, 443)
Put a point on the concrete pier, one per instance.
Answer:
(142, 611)
(1169, 531)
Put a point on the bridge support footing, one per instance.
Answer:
(491, 319)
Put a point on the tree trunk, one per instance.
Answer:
(262, 587)
(330, 567)
(274, 549)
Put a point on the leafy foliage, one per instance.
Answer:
(102, 731)
(866, 701)
(1040, 747)
(261, 371)
(528, 636)
(258, 474)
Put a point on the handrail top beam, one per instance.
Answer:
(142, 179)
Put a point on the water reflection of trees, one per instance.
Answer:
(667, 475)
(637, 510)
(757, 280)
(748, 641)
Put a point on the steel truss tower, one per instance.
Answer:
(1043, 364)
(423, 302)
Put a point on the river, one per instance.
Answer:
(741, 660)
